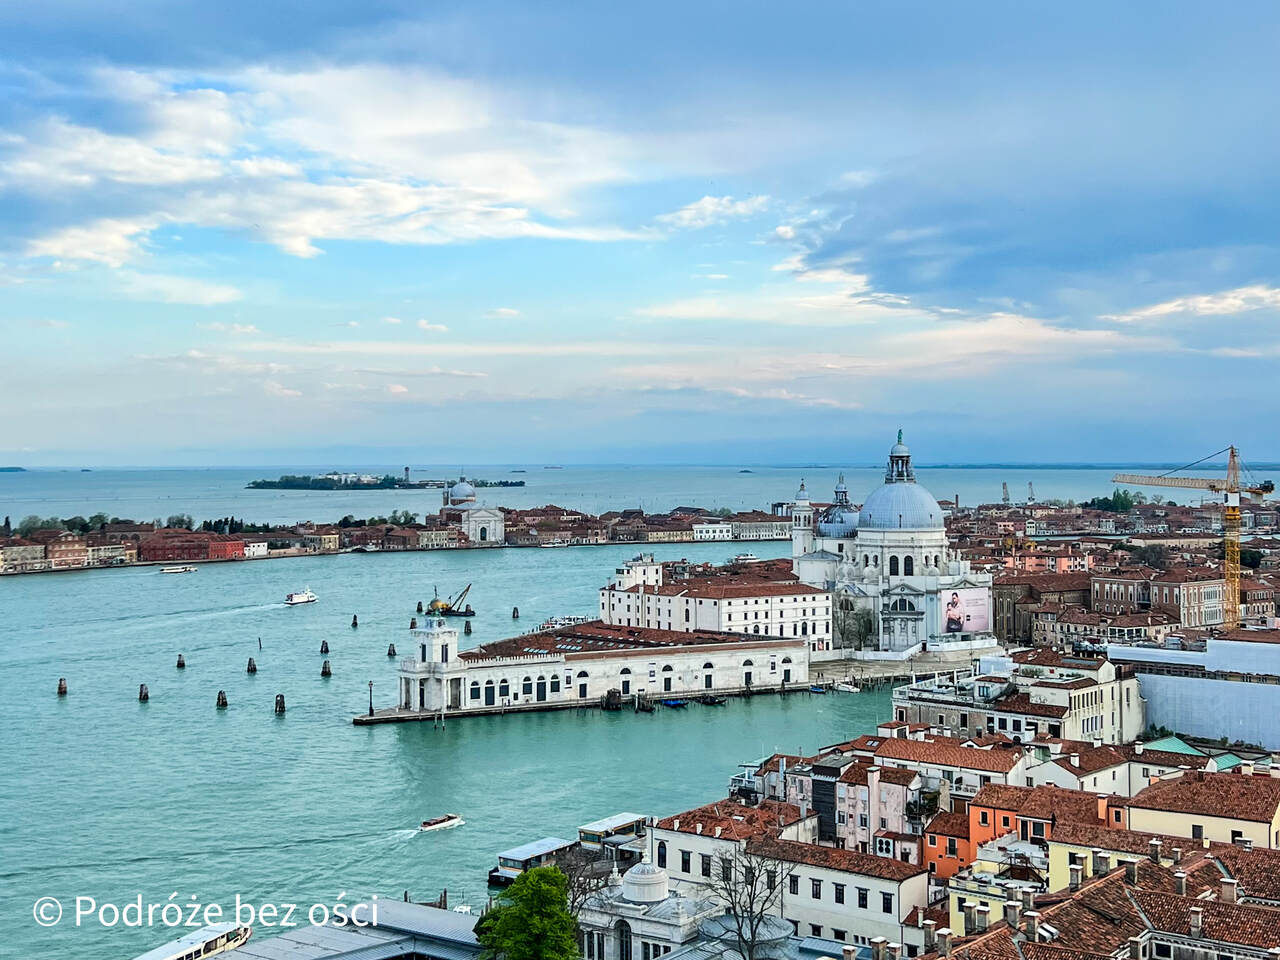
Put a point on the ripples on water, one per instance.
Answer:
(106, 797)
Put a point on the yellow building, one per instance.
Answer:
(1098, 850)
(1218, 807)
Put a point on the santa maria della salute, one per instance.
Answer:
(897, 586)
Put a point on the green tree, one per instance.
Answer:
(98, 521)
(182, 520)
(531, 920)
(32, 523)
(1251, 558)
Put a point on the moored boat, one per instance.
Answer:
(442, 823)
(675, 703)
(207, 942)
(306, 596)
(848, 688)
(708, 700)
(817, 689)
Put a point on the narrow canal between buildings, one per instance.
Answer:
(106, 797)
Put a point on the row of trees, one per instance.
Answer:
(1122, 501)
(399, 518)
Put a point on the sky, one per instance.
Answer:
(683, 233)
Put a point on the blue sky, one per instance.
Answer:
(287, 232)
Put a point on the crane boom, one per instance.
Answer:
(1194, 483)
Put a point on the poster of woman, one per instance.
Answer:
(965, 611)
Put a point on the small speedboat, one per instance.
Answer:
(306, 596)
(817, 689)
(848, 688)
(675, 703)
(442, 823)
(185, 568)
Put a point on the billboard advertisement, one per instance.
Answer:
(965, 610)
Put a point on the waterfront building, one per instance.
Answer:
(62, 549)
(1221, 686)
(578, 665)
(22, 556)
(748, 602)
(1034, 693)
(483, 526)
(1195, 596)
(891, 558)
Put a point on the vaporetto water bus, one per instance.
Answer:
(212, 940)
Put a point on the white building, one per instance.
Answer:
(637, 916)
(579, 664)
(891, 557)
(712, 530)
(639, 596)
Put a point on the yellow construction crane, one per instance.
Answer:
(1230, 489)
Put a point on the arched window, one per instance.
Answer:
(662, 854)
(893, 566)
(786, 659)
(866, 560)
(526, 686)
(484, 534)
(555, 683)
(504, 688)
(708, 666)
(746, 663)
(902, 605)
(804, 629)
(582, 674)
(908, 566)
(475, 689)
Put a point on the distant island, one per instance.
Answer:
(364, 481)
(13, 469)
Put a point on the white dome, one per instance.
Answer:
(838, 520)
(462, 491)
(900, 506)
(645, 883)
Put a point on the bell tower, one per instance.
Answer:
(801, 523)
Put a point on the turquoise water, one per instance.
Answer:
(212, 493)
(109, 798)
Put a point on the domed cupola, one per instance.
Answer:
(645, 883)
(900, 503)
(839, 520)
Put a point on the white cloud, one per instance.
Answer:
(712, 210)
(238, 329)
(109, 240)
(173, 289)
(392, 320)
(710, 276)
(858, 178)
(432, 327)
(785, 231)
(1226, 303)
(275, 389)
(502, 313)
(397, 388)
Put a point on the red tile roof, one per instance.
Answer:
(1239, 797)
(846, 861)
(947, 751)
(735, 820)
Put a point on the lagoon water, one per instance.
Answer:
(219, 492)
(104, 797)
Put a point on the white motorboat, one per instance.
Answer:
(186, 568)
(306, 596)
(442, 823)
(211, 940)
(848, 688)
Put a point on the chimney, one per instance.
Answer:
(719, 830)
(1012, 913)
(1075, 759)
(1077, 870)
(894, 951)
(1197, 922)
(1028, 898)
(698, 827)
(970, 919)
(1243, 842)
(1153, 849)
(877, 948)
(1177, 854)
(944, 941)
(1135, 948)
(1033, 925)
(675, 825)
(1180, 883)
(1098, 862)
(1102, 807)
(930, 935)
(1138, 748)
(850, 952)
(1228, 894)
(1246, 768)
(1131, 872)
(982, 916)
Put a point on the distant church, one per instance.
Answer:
(891, 558)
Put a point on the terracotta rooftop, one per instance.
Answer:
(1022, 703)
(846, 861)
(947, 751)
(734, 820)
(599, 637)
(1254, 798)
(1235, 923)
(949, 824)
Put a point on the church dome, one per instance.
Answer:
(645, 883)
(461, 491)
(900, 503)
(840, 519)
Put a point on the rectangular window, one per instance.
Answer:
(685, 858)
(705, 859)
(886, 903)
(863, 893)
(815, 930)
(793, 884)
(839, 892)
(815, 889)
(1197, 831)
(840, 935)
(951, 846)
(982, 817)
(933, 840)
